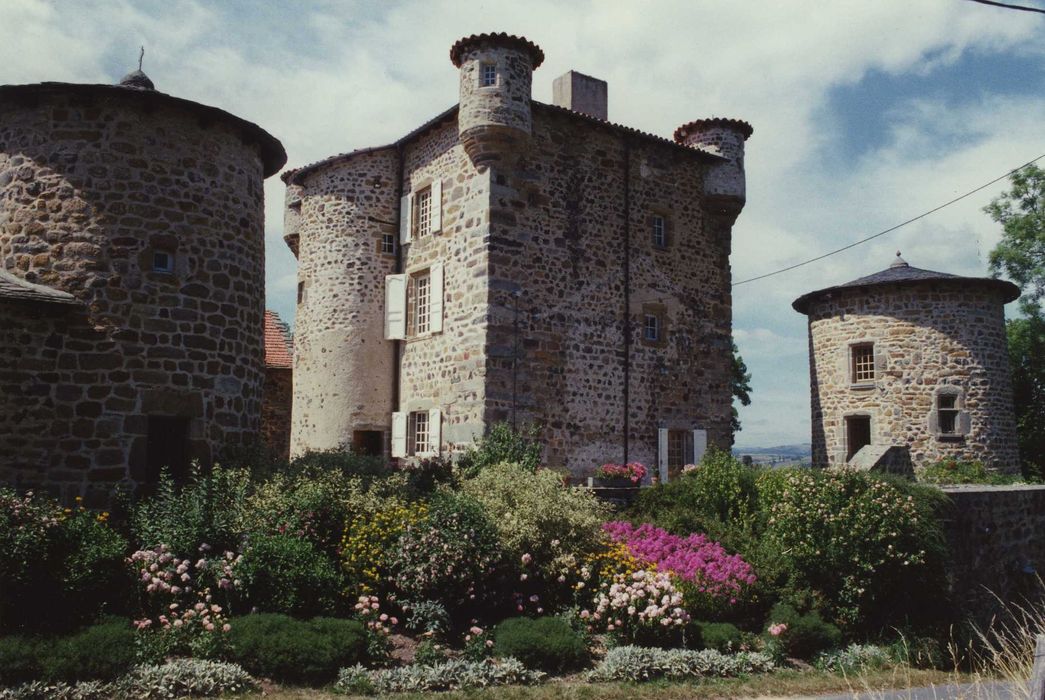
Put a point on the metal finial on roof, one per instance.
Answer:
(138, 79)
(899, 262)
(141, 57)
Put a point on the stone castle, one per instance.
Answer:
(131, 284)
(909, 367)
(517, 261)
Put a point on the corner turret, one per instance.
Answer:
(496, 78)
(724, 185)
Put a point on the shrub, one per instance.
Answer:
(370, 540)
(100, 652)
(423, 476)
(855, 657)
(721, 636)
(285, 574)
(547, 643)
(804, 635)
(953, 471)
(40, 690)
(427, 617)
(429, 653)
(290, 650)
(342, 460)
(456, 674)
(205, 510)
(642, 664)
(642, 606)
(502, 444)
(179, 678)
(872, 548)
(450, 556)
(20, 658)
(554, 527)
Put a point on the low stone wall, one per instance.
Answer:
(997, 541)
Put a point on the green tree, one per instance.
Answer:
(740, 383)
(1021, 256)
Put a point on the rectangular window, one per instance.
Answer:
(947, 411)
(422, 303)
(487, 75)
(659, 232)
(424, 212)
(651, 328)
(388, 244)
(162, 261)
(862, 363)
(680, 451)
(368, 442)
(857, 433)
(419, 433)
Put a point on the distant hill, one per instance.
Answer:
(799, 452)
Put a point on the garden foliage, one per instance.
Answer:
(630, 663)
(457, 674)
(289, 650)
(546, 643)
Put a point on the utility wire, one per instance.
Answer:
(1010, 7)
(890, 230)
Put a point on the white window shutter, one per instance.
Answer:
(662, 454)
(399, 435)
(435, 432)
(435, 298)
(405, 218)
(700, 445)
(436, 202)
(395, 307)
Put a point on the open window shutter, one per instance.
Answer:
(662, 454)
(964, 423)
(700, 445)
(405, 218)
(395, 307)
(435, 432)
(399, 435)
(435, 298)
(436, 202)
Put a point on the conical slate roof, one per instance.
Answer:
(900, 273)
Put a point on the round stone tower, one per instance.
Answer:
(340, 221)
(724, 185)
(910, 365)
(148, 210)
(496, 77)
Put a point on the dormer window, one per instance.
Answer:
(162, 261)
(487, 75)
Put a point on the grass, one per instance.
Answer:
(781, 683)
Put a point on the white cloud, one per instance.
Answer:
(326, 77)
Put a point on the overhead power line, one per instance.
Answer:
(1007, 6)
(891, 229)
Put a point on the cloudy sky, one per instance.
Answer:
(865, 114)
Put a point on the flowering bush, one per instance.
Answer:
(478, 642)
(695, 558)
(181, 613)
(630, 606)
(450, 556)
(634, 472)
(379, 625)
(370, 540)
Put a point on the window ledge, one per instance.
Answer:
(862, 386)
(950, 437)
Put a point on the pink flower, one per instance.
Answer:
(526, 559)
(777, 629)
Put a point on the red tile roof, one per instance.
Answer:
(279, 346)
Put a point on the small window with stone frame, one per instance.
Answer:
(947, 413)
(388, 244)
(862, 363)
(654, 325)
(651, 328)
(163, 261)
(423, 206)
(421, 301)
(487, 75)
(418, 434)
(659, 231)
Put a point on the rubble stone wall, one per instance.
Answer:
(90, 188)
(276, 411)
(926, 337)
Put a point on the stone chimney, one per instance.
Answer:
(581, 93)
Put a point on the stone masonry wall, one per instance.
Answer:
(505, 104)
(558, 249)
(447, 370)
(276, 410)
(342, 362)
(996, 543)
(925, 336)
(89, 189)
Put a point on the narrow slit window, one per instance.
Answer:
(487, 75)
(863, 363)
(424, 212)
(422, 305)
(947, 409)
(659, 232)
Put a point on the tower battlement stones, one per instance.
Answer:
(514, 260)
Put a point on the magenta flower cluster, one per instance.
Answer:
(635, 471)
(695, 558)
